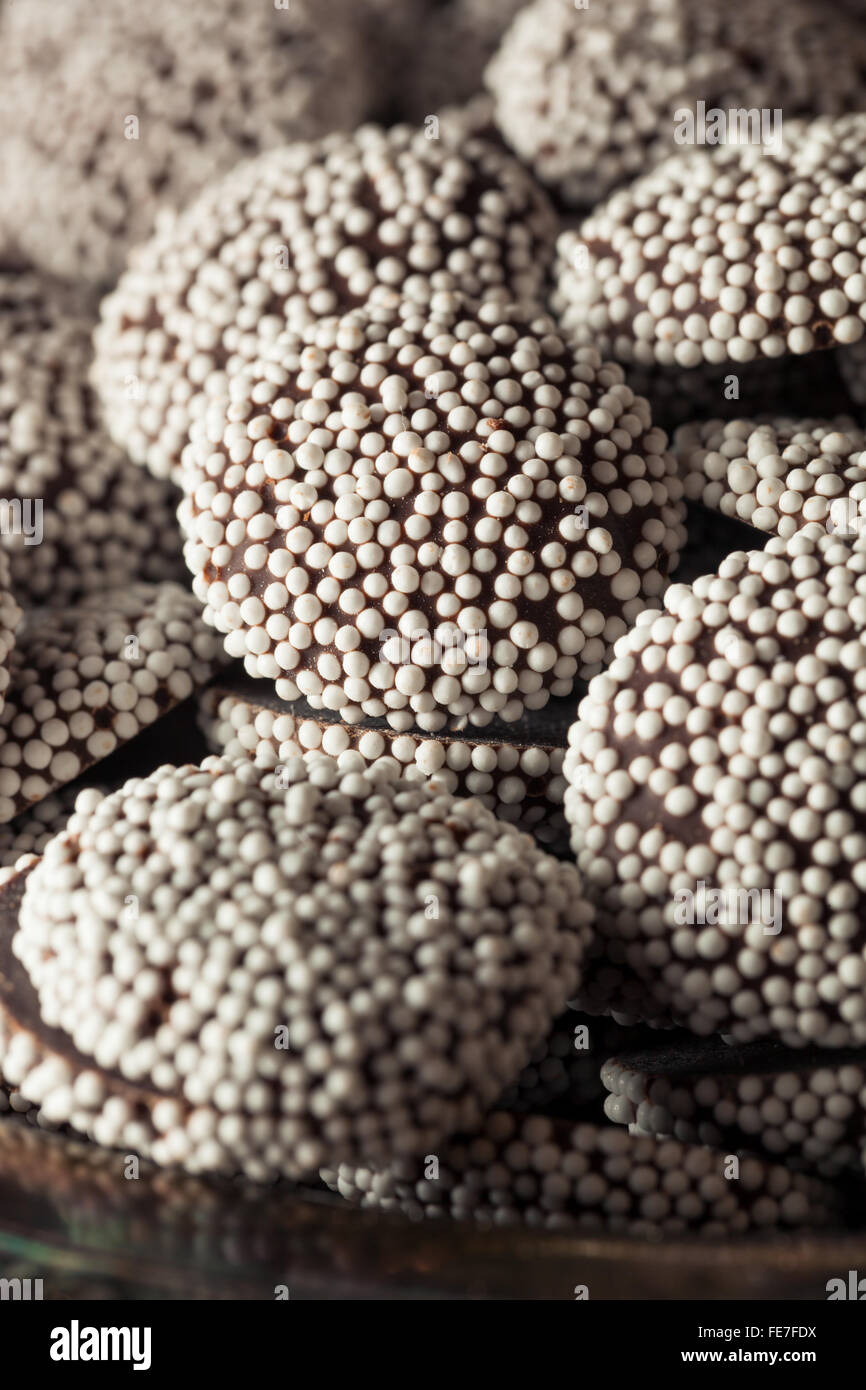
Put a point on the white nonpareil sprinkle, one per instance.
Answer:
(498, 504)
(309, 230)
(729, 253)
(411, 948)
(780, 475)
(724, 751)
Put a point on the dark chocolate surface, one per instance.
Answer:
(545, 728)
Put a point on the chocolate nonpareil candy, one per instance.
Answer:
(226, 972)
(147, 104)
(303, 232)
(716, 790)
(549, 1174)
(430, 519)
(84, 680)
(513, 769)
(76, 515)
(726, 253)
(805, 1107)
(777, 475)
(591, 95)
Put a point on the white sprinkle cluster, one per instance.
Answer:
(780, 475)
(23, 839)
(521, 783)
(205, 86)
(302, 232)
(724, 749)
(549, 1175)
(453, 517)
(410, 947)
(729, 253)
(587, 96)
(101, 524)
(84, 680)
(814, 1117)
